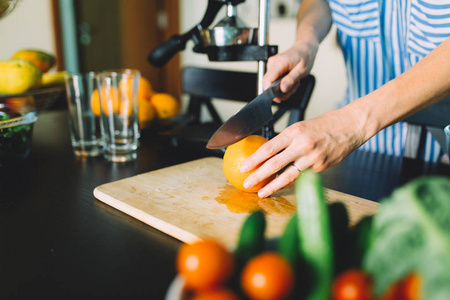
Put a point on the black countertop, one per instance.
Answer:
(57, 240)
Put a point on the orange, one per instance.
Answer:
(165, 105)
(235, 155)
(95, 101)
(267, 276)
(145, 89)
(146, 112)
(204, 265)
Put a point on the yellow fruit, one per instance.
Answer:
(18, 76)
(145, 89)
(146, 112)
(42, 60)
(53, 78)
(165, 105)
(235, 155)
(95, 101)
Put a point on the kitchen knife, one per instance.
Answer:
(246, 121)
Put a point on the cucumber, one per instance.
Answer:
(361, 237)
(251, 238)
(340, 235)
(314, 231)
(288, 245)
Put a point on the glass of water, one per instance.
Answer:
(84, 115)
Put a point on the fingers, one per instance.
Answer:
(276, 66)
(265, 152)
(275, 163)
(285, 179)
(271, 76)
(287, 95)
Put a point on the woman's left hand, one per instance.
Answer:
(318, 144)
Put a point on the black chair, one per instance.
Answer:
(432, 119)
(203, 85)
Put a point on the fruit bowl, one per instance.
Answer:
(38, 99)
(16, 127)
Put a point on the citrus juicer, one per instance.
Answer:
(228, 40)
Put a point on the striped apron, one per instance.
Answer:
(382, 39)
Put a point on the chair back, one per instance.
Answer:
(432, 119)
(202, 85)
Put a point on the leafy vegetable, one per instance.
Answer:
(288, 245)
(14, 141)
(412, 234)
(251, 238)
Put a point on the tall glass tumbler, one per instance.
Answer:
(118, 93)
(84, 122)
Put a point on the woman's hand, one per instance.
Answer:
(318, 143)
(297, 62)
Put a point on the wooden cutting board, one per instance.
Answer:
(193, 201)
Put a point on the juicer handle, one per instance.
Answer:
(164, 52)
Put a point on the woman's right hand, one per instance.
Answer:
(296, 62)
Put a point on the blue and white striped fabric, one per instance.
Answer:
(381, 40)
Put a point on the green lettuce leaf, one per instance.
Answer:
(412, 234)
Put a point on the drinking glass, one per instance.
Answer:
(84, 123)
(118, 93)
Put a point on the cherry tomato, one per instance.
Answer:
(204, 264)
(353, 285)
(411, 287)
(215, 294)
(267, 276)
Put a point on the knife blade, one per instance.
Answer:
(246, 121)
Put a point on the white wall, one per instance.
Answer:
(329, 67)
(28, 26)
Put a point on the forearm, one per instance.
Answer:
(423, 85)
(313, 20)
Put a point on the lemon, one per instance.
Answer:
(53, 78)
(18, 76)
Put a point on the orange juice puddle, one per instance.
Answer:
(243, 202)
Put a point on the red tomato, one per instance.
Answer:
(411, 287)
(353, 285)
(267, 276)
(204, 264)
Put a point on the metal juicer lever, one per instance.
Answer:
(164, 52)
